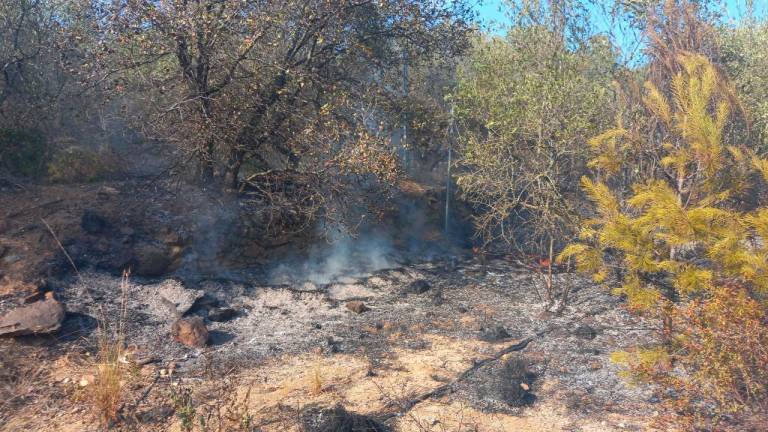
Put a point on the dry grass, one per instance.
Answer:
(20, 381)
(107, 390)
(316, 381)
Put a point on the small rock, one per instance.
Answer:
(41, 317)
(357, 306)
(585, 332)
(495, 334)
(94, 223)
(221, 314)
(4, 225)
(191, 332)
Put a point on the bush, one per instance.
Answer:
(77, 164)
(23, 152)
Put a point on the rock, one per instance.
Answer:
(94, 223)
(4, 225)
(152, 259)
(585, 332)
(191, 332)
(419, 286)
(357, 306)
(338, 419)
(221, 314)
(41, 317)
(495, 334)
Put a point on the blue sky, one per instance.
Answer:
(492, 12)
(733, 9)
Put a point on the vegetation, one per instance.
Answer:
(110, 376)
(681, 249)
(527, 104)
(77, 164)
(648, 172)
(23, 152)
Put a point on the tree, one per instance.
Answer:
(681, 249)
(253, 85)
(744, 60)
(526, 104)
(39, 98)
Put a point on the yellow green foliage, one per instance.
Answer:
(686, 253)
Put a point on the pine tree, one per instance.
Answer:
(681, 249)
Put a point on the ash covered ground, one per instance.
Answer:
(425, 325)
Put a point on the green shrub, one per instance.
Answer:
(23, 152)
(78, 164)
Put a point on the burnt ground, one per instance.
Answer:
(264, 362)
(286, 354)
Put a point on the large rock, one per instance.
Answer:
(41, 317)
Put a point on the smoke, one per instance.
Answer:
(342, 255)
